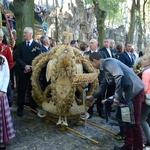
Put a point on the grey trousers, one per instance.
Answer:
(145, 120)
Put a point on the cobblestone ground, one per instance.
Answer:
(34, 133)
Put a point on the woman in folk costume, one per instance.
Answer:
(6, 125)
(5, 50)
(145, 64)
(142, 68)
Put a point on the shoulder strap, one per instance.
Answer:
(145, 68)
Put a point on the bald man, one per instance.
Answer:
(24, 55)
(93, 46)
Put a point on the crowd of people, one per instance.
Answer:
(116, 77)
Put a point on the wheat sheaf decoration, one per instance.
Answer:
(59, 98)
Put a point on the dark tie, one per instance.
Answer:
(28, 43)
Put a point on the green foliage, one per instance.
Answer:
(110, 6)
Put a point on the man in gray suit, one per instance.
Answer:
(129, 86)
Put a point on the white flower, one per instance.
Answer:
(35, 49)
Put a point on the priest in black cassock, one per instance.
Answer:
(25, 53)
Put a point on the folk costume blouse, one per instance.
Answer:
(4, 76)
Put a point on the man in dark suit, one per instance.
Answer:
(107, 50)
(93, 44)
(126, 57)
(129, 86)
(45, 43)
(110, 53)
(24, 54)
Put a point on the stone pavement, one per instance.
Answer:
(34, 133)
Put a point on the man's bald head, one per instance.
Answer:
(93, 44)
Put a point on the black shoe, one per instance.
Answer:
(2, 146)
(119, 148)
(147, 144)
(20, 113)
(10, 104)
(101, 116)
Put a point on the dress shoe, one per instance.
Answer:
(41, 113)
(2, 146)
(20, 113)
(147, 144)
(101, 116)
(87, 116)
(119, 148)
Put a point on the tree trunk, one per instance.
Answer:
(140, 32)
(47, 4)
(56, 25)
(56, 2)
(24, 13)
(100, 17)
(130, 32)
(144, 24)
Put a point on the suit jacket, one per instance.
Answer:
(24, 55)
(43, 49)
(113, 53)
(124, 57)
(100, 52)
(127, 83)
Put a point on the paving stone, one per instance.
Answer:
(33, 133)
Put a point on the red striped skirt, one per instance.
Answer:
(6, 125)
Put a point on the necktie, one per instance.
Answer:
(28, 43)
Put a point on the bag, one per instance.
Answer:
(122, 113)
(147, 99)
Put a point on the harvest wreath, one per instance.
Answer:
(63, 64)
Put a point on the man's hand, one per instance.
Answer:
(116, 101)
(27, 69)
(89, 100)
(103, 101)
(89, 97)
(1, 94)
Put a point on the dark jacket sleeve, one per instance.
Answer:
(101, 89)
(18, 59)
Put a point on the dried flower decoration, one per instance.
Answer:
(35, 49)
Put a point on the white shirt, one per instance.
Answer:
(94, 51)
(108, 50)
(47, 47)
(4, 76)
(129, 54)
(29, 41)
